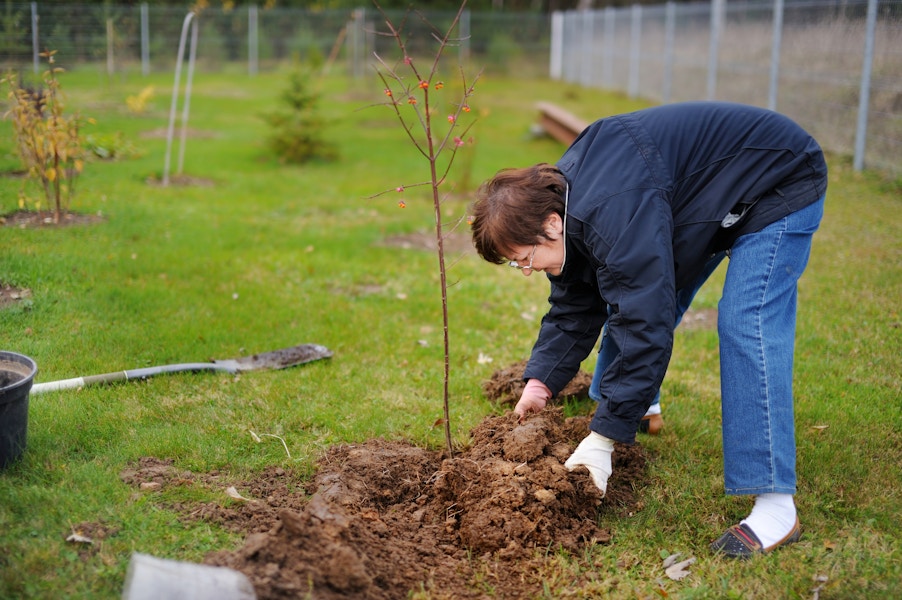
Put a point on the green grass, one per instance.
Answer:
(270, 256)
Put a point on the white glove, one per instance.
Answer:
(533, 399)
(594, 453)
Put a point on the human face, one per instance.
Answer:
(528, 268)
(547, 256)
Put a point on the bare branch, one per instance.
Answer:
(404, 124)
(400, 189)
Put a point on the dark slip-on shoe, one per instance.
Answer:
(739, 541)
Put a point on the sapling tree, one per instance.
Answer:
(48, 140)
(433, 126)
(297, 129)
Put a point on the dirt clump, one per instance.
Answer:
(385, 518)
(506, 385)
(10, 295)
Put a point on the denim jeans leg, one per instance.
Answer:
(756, 325)
(609, 349)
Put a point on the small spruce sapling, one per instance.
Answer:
(297, 129)
(415, 97)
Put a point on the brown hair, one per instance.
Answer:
(511, 209)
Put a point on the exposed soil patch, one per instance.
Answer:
(383, 518)
(274, 490)
(506, 385)
(453, 242)
(14, 174)
(92, 531)
(87, 538)
(161, 133)
(10, 295)
(29, 219)
(181, 180)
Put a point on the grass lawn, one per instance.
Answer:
(257, 255)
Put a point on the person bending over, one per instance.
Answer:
(627, 225)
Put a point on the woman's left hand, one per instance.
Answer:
(533, 399)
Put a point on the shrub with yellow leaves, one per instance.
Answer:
(137, 104)
(48, 142)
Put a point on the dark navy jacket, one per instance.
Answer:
(648, 195)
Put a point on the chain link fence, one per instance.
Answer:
(146, 37)
(835, 66)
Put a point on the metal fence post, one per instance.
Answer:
(252, 49)
(775, 50)
(34, 38)
(714, 47)
(569, 41)
(356, 42)
(110, 47)
(145, 40)
(607, 77)
(556, 66)
(669, 38)
(635, 50)
(585, 45)
(464, 36)
(864, 96)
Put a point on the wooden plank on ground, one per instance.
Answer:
(560, 124)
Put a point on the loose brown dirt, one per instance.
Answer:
(181, 180)
(10, 294)
(29, 219)
(454, 243)
(382, 519)
(506, 385)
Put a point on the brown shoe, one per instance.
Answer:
(651, 424)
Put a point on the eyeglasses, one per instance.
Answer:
(516, 265)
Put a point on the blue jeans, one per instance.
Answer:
(609, 349)
(756, 322)
(756, 327)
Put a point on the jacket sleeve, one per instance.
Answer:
(569, 329)
(636, 278)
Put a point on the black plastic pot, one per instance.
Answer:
(16, 376)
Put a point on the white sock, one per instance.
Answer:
(654, 409)
(772, 517)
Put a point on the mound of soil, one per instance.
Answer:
(506, 385)
(385, 518)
